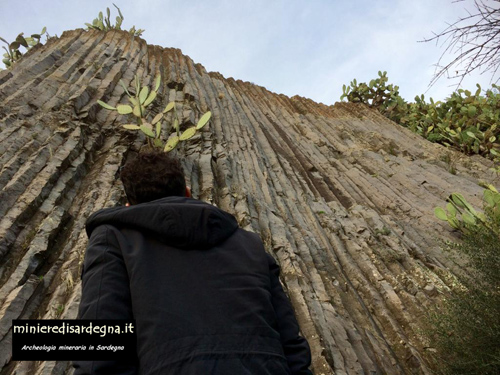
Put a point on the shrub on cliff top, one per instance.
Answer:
(466, 121)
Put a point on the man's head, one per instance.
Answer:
(153, 175)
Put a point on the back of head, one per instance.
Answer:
(152, 175)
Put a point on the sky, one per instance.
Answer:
(308, 48)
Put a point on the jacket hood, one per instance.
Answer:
(182, 222)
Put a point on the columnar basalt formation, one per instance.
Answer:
(342, 197)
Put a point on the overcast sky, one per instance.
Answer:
(308, 48)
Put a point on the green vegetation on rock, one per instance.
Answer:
(140, 100)
(13, 52)
(104, 23)
(465, 121)
(465, 329)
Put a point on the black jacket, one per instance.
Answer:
(205, 295)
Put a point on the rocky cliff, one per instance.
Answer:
(342, 197)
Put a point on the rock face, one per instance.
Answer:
(342, 197)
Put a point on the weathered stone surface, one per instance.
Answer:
(342, 197)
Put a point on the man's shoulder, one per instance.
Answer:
(104, 234)
(248, 239)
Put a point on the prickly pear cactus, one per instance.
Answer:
(140, 101)
(460, 214)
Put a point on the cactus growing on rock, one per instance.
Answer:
(104, 23)
(139, 103)
(460, 214)
(13, 53)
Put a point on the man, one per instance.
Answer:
(205, 295)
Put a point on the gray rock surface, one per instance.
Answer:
(342, 197)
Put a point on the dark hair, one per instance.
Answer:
(152, 175)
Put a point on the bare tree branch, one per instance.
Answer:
(473, 42)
